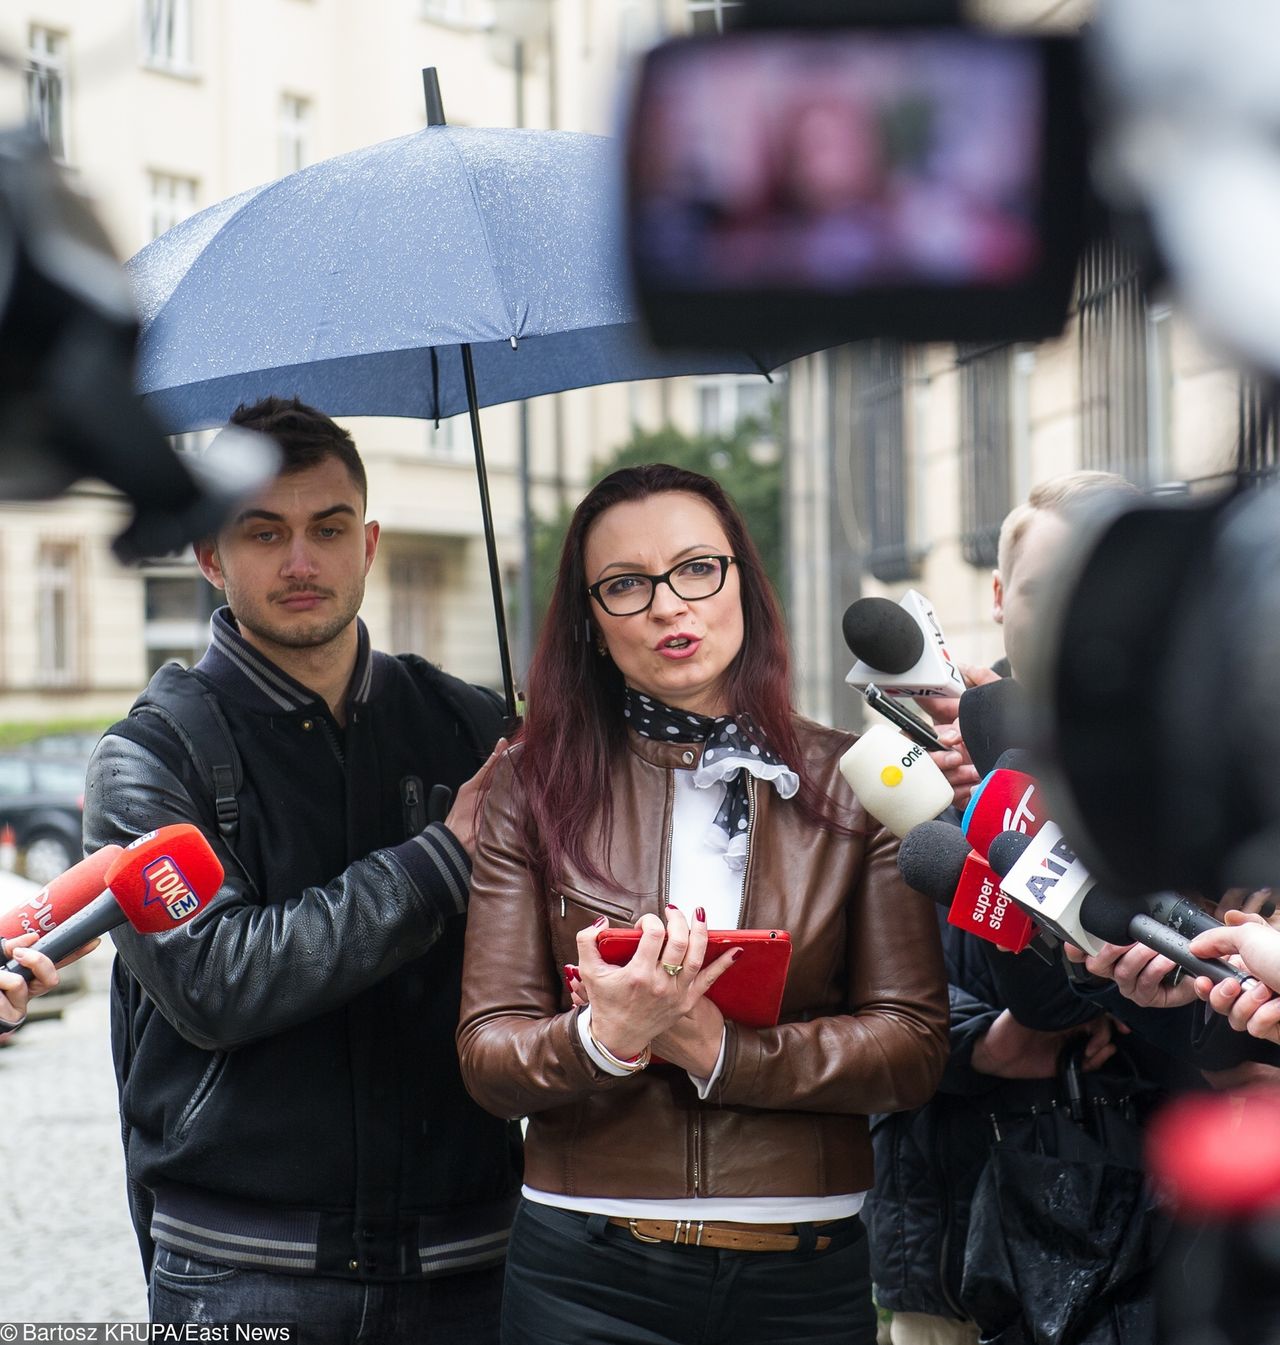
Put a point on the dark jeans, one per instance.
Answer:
(573, 1279)
(451, 1310)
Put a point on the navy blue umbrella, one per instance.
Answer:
(428, 275)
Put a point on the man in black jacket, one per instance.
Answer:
(299, 1144)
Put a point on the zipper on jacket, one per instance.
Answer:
(664, 895)
(697, 1152)
(331, 738)
(415, 813)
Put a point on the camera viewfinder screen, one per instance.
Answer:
(840, 160)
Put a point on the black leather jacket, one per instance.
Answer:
(289, 1087)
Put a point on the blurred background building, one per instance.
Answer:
(898, 463)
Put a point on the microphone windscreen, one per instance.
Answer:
(991, 716)
(1006, 850)
(1015, 759)
(883, 635)
(1107, 915)
(931, 859)
(896, 781)
(63, 897)
(165, 877)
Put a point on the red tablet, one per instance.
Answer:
(750, 992)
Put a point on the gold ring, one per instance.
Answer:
(671, 968)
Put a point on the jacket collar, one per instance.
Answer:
(235, 667)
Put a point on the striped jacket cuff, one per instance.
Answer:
(439, 868)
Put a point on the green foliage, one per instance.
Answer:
(746, 464)
(17, 733)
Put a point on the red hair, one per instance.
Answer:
(574, 729)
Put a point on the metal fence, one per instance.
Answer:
(879, 383)
(1258, 444)
(1113, 362)
(986, 445)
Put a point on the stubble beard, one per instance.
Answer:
(299, 633)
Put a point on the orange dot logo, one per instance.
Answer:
(891, 776)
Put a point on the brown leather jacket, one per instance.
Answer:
(864, 1018)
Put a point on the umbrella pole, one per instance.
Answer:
(436, 117)
(490, 540)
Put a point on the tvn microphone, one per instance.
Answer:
(1045, 877)
(60, 899)
(993, 718)
(1004, 800)
(900, 646)
(156, 883)
(937, 862)
(895, 780)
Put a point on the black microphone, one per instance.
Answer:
(992, 720)
(1091, 910)
(883, 635)
(931, 859)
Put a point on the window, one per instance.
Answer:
(448, 439)
(986, 487)
(170, 200)
(178, 602)
(295, 133)
(167, 35)
(47, 88)
(712, 16)
(446, 11)
(880, 462)
(1113, 363)
(1258, 410)
(724, 403)
(57, 585)
(417, 582)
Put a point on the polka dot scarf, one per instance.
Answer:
(734, 749)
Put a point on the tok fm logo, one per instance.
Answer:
(165, 883)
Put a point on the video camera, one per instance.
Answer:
(825, 172)
(67, 408)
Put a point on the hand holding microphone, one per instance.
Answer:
(1249, 940)
(157, 883)
(15, 992)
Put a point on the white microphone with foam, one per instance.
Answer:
(900, 646)
(895, 780)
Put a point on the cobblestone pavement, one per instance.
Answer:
(67, 1250)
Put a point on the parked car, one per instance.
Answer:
(42, 799)
(73, 743)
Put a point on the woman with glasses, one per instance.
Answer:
(687, 1178)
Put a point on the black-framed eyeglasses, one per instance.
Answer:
(631, 594)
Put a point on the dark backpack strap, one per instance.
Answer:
(478, 711)
(192, 713)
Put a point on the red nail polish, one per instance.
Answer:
(672, 907)
(568, 972)
(599, 920)
(735, 955)
(700, 915)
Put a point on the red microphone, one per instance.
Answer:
(935, 859)
(158, 882)
(980, 907)
(68, 893)
(1004, 801)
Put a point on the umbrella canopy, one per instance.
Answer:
(435, 273)
(354, 282)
